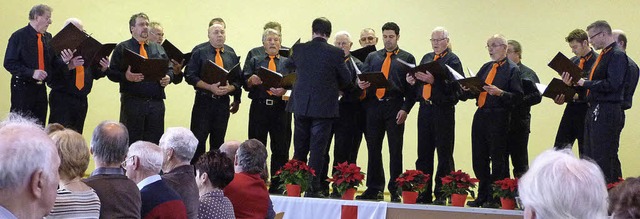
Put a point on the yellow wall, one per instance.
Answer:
(539, 25)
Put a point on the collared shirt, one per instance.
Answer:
(444, 92)
(108, 171)
(21, 58)
(203, 53)
(6, 214)
(399, 87)
(65, 82)
(531, 95)
(148, 180)
(590, 58)
(144, 89)
(252, 67)
(606, 84)
(507, 78)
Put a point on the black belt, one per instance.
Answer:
(491, 110)
(207, 94)
(138, 97)
(268, 102)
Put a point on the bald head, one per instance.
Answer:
(75, 21)
(621, 39)
(110, 143)
(230, 148)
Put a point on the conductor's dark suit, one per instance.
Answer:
(320, 73)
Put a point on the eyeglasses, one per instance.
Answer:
(590, 37)
(437, 40)
(494, 45)
(124, 163)
(369, 38)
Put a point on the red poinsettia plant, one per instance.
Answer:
(458, 182)
(295, 172)
(506, 188)
(346, 176)
(412, 181)
(614, 184)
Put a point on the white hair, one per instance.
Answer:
(75, 21)
(444, 31)
(559, 185)
(343, 33)
(150, 155)
(181, 140)
(269, 31)
(24, 149)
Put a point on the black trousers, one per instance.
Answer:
(29, 99)
(68, 110)
(209, 119)
(310, 138)
(488, 148)
(381, 118)
(572, 127)
(604, 122)
(143, 117)
(267, 117)
(436, 131)
(517, 146)
(347, 131)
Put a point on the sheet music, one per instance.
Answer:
(541, 87)
(355, 67)
(471, 74)
(455, 74)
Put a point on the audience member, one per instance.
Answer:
(178, 146)
(559, 185)
(28, 169)
(214, 171)
(75, 199)
(624, 199)
(248, 192)
(142, 165)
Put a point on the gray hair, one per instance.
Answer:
(555, 179)
(24, 149)
(343, 33)
(252, 156)
(444, 31)
(181, 140)
(110, 142)
(39, 10)
(150, 155)
(230, 148)
(268, 32)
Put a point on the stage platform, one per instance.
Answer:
(294, 207)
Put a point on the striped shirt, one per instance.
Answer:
(83, 204)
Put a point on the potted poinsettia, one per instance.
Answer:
(412, 182)
(346, 178)
(457, 185)
(506, 190)
(295, 176)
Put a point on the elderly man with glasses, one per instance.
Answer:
(490, 122)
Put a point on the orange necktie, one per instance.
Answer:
(272, 67)
(143, 52)
(219, 59)
(581, 65)
(492, 74)
(426, 90)
(595, 65)
(386, 65)
(40, 52)
(80, 77)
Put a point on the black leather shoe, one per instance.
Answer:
(371, 194)
(476, 203)
(440, 201)
(317, 194)
(424, 198)
(395, 198)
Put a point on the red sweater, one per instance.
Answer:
(249, 196)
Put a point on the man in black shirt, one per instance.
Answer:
(605, 95)
(386, 110)
(69, 90)
(210, 114)
(520, 122)
(156, 34)
(491, 120)
(436, 118)
(142, 102)
(266, 114)
(571, 126)
(30, 59)
(368, 37)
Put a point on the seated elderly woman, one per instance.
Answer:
(75, 199)
(624, 199)
(559, 185)
(214, 171)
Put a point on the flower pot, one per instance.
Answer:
(349, 194)
(508, 203)
(293, 190)
(458, 200)
(409, 197)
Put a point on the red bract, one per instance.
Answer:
(506, 188)
(295, 172)
(412, 180)
(458, 182)
(346, 176)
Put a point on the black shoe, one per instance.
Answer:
(317, 194)
(490, 204)
(424, 198)
(325, 192)
(440, 201)
(395, 198)
(335, 195)
(371, 194)
(476, 203)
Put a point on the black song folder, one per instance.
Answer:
(274, 79)
(363, 52)
(432, 67)
(152, 69)
(376, 79)
(174, 53)
(211, 73)
(557, 87)
(560, 63)
(70, 37)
